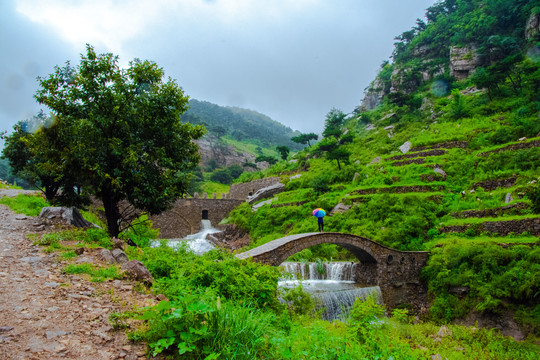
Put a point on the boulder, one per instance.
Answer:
(375, 160)
(70, 216)
(137, 271)
(119, 256)
(405, 147)
(118, 244)
(340, 208)
(266, 192)
(464, 61)
(440, 171)
(261, 204)
(106, 256)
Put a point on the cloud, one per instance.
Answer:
(290, 59)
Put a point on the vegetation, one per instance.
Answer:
(116, 134)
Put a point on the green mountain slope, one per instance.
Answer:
(240, 124)
(443, 155)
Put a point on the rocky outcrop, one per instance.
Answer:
(373, 96)
(232, 237)
(241, 191)
(266, 192)
(532, 29)
(225, 155)
(464, 61)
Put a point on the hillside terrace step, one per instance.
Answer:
(399, 189)
(512, 147)
(501, 227)
(495, 212)
(366, 198)
(444, 145)
(408, 162)
(418, 154)
(489, 185)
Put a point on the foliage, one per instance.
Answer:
(533, 193)
(305, 138)
(283, 151)
(122, 132)
(96, 273)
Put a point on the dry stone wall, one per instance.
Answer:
(501, 228)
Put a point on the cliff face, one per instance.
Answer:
(225, 155)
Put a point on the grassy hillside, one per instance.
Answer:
(472, 167)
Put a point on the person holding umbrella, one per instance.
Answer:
(319, 214)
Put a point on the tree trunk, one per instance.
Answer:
(338, 164)
(110, 203)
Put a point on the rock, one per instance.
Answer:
(340, 208)
(297, 176)
(436, 357)
(70, 216)
(532, 28)
(79, 251)
(375, 160)
(261, 204)
(53, 334)
(137, 271)
(266, 192)
(522, 139)
(444, 331)
(370, 127)
(5, 328)
(389, 127)
(405, 147)
(463, 61)
(508, 198)
(118, 244)
(119, 256)
(106, 256)
(440, 171)
(355, 177)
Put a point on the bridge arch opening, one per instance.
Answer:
(205, 214)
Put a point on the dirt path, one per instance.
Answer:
(45, 314)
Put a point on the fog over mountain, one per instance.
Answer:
(290, 60)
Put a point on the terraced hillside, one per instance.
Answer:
(447, 162)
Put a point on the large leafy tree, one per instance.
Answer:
(121, 132)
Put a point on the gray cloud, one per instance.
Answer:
(291, 62)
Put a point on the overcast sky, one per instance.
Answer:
(292, 60)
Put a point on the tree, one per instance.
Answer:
(284, 151)
(335, 138)
(305, 138)
(123, 133)
(269, 159)
(333, 123)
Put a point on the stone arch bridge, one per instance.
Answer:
(396, 272)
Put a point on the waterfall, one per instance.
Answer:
(335, 288)
(343, 271)
(195, 242)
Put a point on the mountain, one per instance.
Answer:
(240, 124)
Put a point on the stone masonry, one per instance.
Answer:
(396, 272)
(186, 215)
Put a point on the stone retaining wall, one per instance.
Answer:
(297, 203)
(502, 228)
(408, 162)
(444, 145)
(517, 208)
(400, 189)
(523, 145)
(418, 154)
(490, 185)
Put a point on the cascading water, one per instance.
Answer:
(332, 284)
(196, 242)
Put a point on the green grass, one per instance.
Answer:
(250, 147)
(210, 187)
(96, 273)
(29, 205)
(455, 221)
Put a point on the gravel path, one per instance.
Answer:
(45, 314)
